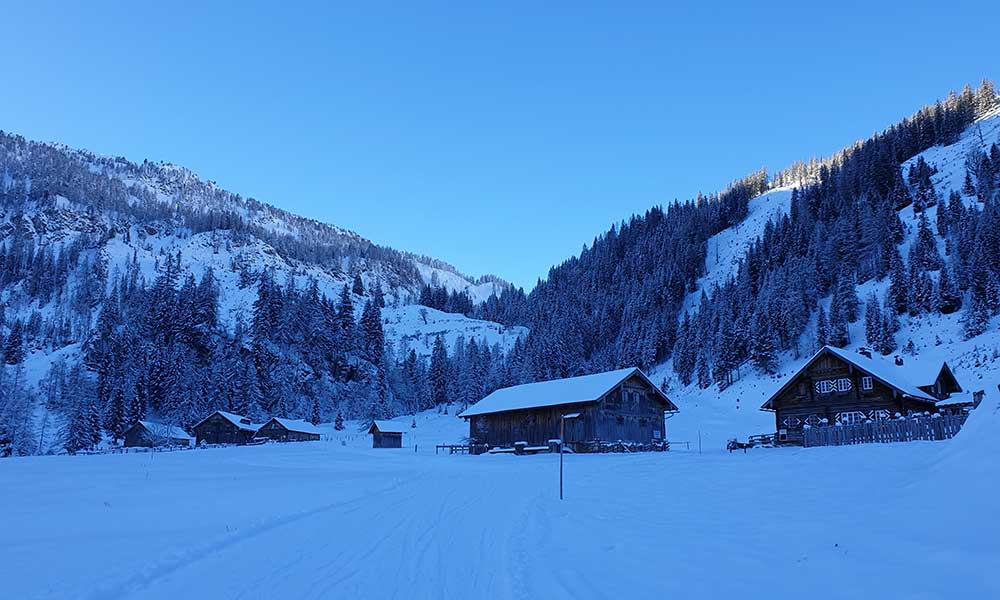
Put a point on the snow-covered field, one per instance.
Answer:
(337, 519)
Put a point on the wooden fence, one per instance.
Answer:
(938, 427)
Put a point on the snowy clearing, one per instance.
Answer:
(326, 520)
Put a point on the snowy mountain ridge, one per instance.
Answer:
(174, 186)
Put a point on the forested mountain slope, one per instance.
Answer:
(132, 290)
(726, 283)
(140, 290)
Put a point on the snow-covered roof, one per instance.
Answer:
(237, 420)
(387, 427)
(957, 400)
(165, 431)
(886, 372)
(573, 390)
(890, 374)
(297, 425)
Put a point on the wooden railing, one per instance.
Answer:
(461, 448)
(936, 427)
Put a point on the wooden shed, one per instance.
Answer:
(837, 386)
(386, 434)
(223, 427)
(288, 430)
(149, 434)
(616, 406)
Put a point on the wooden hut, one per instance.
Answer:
(840, 386)
(288, 430)
(386, 434)
(149, 434)
(616, 406)
(223, 427)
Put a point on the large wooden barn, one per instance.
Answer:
(839, 386)
(223, 427)
(622, 405)
(288, 430)
(149, 434)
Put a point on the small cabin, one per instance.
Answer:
(149, 434)
(288, 430)
(837, 386)
(616, 406)
(223, 427)
(386, 434)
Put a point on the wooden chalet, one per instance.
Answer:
(149, 434)
(288, 430)
(386, 434)
(223, 427)
(616, 406)
(837, 386)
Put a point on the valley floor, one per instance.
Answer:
(332, 520)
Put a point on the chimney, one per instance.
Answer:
(865, 352)
(899, 360)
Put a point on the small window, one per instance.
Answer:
(791, 421)
(824, 387)
(866, 383)
(878, 415)
(851, 417)
(844, 385)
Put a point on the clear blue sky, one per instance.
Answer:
(499, 138)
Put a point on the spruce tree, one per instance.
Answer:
(968, 188)
(898, 284)
(13, 349)
(873, 322)
(704, 371)
(949, 298)
(439, 372)
(821, 327)
(887, 333)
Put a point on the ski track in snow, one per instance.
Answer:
(403, 525)
(159, 570)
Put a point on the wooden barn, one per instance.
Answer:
(223, 427)
(386, 434)
(622, 405)
(840, 386)
(149, 434)
(288, 430)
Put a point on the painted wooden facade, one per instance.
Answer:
(633, 411)
(834, 387)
